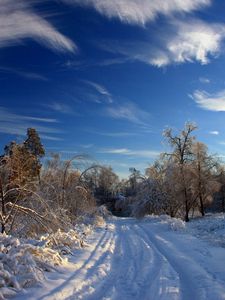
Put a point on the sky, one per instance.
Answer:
(106, 77)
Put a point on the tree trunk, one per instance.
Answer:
(2, 207)
(223, 204)
(3, 228)
(223, 199)
(202, 211)
(186, 217)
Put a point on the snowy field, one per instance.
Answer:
(154, 258)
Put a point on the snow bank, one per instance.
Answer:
(176, 224)
(97, 217)
(210, 228)
(64, 241)
(24, 261)
(22, 264)
(173, 224)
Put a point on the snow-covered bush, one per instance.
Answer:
(63, 241)
(103, 212)
(176, 224)
(149, 199)
(22, 263)
(96, 217)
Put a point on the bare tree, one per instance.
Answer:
(164, 174)
(203, 180)
(61, 185)
(181, 144)
(221, 180)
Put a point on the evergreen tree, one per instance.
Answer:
(33, 143)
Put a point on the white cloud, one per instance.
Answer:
(20, 128)
(174, 42)
(100, 89)
(129, 152)
(113, 134)
(204, 80)
(116, 151)
(7, 116)
(16, 124)
(117, 134)
(142, 11)
(50, 138)
(130, 112)
(60, 107)
(87, 63)
(18, 21)
(68, 151)
(87, 146)
(24, 74)
(214, 102)
(215, 132)
(195, 40)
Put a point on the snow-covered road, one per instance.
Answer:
(131, 259)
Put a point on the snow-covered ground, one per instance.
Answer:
(154, 258)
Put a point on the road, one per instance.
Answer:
(131, 259)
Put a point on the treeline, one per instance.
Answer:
(183, 182)
(36, 198)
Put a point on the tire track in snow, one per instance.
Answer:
(98, 269)
(160, 281)
(196, 283)
(140, 268)
(65, 288)
(120, 272)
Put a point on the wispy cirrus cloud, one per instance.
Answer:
(24, 74)
(60, 107)
(210, 101)
(129, 112)
(214, 132)
(19, 21)
(178, 42)
(7, 116)
(204, 80)
(89, 63)
(87, 146)
(50, 138)
(101, 90)
(129, 152)
(142, 11)
(113, 134)
(17, 124)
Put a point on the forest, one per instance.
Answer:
(41, 195)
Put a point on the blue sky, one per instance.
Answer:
(105, 77)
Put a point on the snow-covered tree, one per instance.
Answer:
(181, 143)
(204, 182)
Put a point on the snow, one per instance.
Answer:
(211, 228)
(154, 258)
(24, 262)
